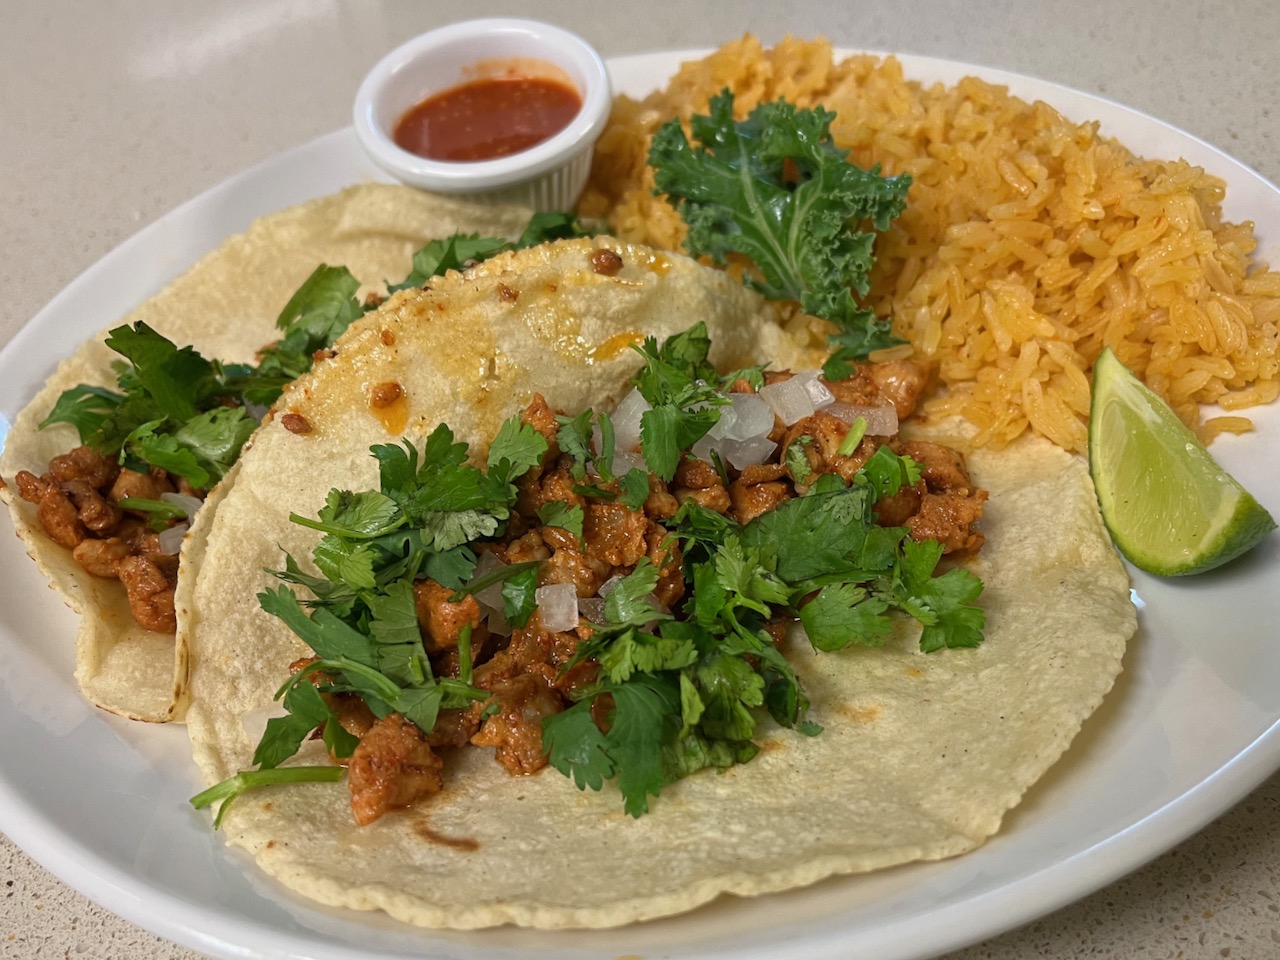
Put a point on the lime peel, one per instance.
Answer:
(1170, 508)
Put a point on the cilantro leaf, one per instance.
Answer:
(641, 716)
(815, 534)
(326, 298)
(948, 599)
(635, 488)
(628, 603)
(519, 595)
(163, 450)
(357, 516)
(159, 512)
(575, 746)
(796, 461)
(729, 688)
(458, 251)
(450, 253)
(843, 613)
(450, 568)
(84, 407)
(172, 377)
(284, 735)
(216, 437)
(636, 652)
(516, 450)
(328, 636)
(574, 438)
(551, 225)
(570, 517)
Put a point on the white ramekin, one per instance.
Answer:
(547, 176)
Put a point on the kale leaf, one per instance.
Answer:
(775, 188)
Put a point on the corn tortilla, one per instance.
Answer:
(921, 755)
(225, 306)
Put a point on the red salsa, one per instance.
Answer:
(486, 119)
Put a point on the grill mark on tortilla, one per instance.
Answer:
(869, 714)
(465, 844)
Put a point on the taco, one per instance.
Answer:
(226, 307)
(919, 756)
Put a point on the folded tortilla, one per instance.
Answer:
(920, 757)
(226, 306)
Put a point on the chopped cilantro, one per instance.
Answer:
(518, 596)
(675, 690)
(159, 512)
(177, 410)
(795, 460)
(682, 390)
(567, 517)
(228, 790)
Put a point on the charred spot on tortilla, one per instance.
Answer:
(386, 393)
(605, 262)
(508, 294)
(465, 844)
(295, 423)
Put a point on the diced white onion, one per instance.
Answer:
(882, 419)
(788, 399)
(592, 608)
(170, 539)
(557, 607)
(624, 462)
(746, 453)
(626, 421)
(725, 425)
(183, 501)
(818, 392)
(498, 624)
(752, 417)
(609, 585)
(702, 449)
(491, 596)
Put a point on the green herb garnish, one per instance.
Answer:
(773, 187)
(677, 690)
(177, 410)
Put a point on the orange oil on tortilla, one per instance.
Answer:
(614, 346)
(658, 264)
(393, 416)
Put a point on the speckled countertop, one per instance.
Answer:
(112, 114)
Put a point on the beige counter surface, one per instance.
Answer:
(112, 114)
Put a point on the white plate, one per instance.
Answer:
(1190, 728)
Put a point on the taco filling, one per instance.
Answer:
(609, 594)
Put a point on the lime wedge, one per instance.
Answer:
(1170, 508)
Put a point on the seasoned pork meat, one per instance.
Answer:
(392, 767)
